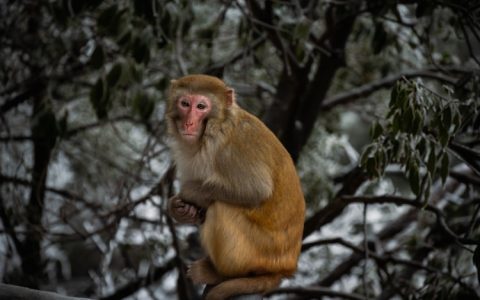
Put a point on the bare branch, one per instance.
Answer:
(135, 285)
(381, 259)
(314, 292)
(405, 201)
(367, 89)
(8, 291)
(64, 193)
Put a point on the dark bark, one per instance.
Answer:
(12, 292)
(287, 99)
(30, 250)
(133, 287)
(387, 233)
(340, 22)
(351, 182)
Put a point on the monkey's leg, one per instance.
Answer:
(203, 272)
(244, 286)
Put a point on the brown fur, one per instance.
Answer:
(240, 171)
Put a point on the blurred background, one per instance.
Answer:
(376, 101)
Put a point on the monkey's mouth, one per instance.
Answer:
(190, 136)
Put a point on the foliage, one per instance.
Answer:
(418, 128)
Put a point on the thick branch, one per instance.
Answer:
(351, 182)
(133, 287)
(299, 129)
(388, 232)
(63, 193)
(381, 259)
(420, 205)
(263, 20)
(315, 292)
(367, 89)
(13, 292)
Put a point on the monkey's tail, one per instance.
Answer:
(244, 286)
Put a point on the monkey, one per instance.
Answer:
(238, 184)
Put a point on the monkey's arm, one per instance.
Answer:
(243, 192)
(184, 212)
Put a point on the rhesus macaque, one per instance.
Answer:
(239, 184)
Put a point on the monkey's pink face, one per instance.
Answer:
(193, 109)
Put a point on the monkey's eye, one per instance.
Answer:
(184, 103)
(201, 106)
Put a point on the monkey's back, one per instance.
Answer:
(263, 239)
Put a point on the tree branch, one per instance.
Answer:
(314, 292)
(367, 89)
(132, 287)
(351, 182)
(412, 202)
(389, 231)
(66, 194)
(14, 292)
(299, 129)
(381, 259)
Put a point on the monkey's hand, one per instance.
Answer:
(196, 193)
(184, 212)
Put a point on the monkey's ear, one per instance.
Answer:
(230, 97)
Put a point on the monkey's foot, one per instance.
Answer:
(203, 272)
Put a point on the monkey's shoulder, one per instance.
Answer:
(253, 146)
(251, 129)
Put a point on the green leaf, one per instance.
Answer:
(447, 117)
(414, 178)
(427, 185)
(98, 57)
(145, 9)
(99, 98)
(381, 158)
(394, 95)
(140, 51)
(445, 167)
(422, 146)
(379, 39)
(444, 136)
(424, 8)
(111, 21)
(432, 162)
(407, 122)
(302, 29)
(107, 15)
(125, 38)
(76, 7)
(143, 106)
(396, 122)
(114, 75)
(59, 12)
(417, 122)
(371, 167)
(404, 98)
(400, 149)
(457, 120)
(368, 152)
(376, 130)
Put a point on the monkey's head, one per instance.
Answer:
(193, 101)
